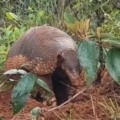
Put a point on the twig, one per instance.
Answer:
(67, 85)
(58, 107)
(57, 115)
(104, 5)
(15, 116)
(94, 108)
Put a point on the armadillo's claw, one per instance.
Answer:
(50, 102)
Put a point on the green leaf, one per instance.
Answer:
(69, 18)
(112, 41)
(30, 9)
(11, 16)
(35, 112)
(89, 56)
(43, 85)
(113, 64)
(21, 91)
(41, 13)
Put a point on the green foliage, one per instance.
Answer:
(111, 41)
(48, 93)
(35, 112)
(83, 8)
(112, 23)
(11, 16)
(79, 28)
(88, 53)
(22, 14)
(31, 13)
(8, 36)
(23, 88)
(43, 85)
(89, 56)
(35, 18)
(69, 18)
(18, 16)
(113, 64)
(21, 91)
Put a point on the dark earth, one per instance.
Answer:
(98, 102)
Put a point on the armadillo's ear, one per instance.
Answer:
(59, 59)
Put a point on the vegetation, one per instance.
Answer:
(94, 24)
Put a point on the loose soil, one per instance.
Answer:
(99, 102)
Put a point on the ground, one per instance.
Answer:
(99, 102)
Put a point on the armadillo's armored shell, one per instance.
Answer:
(37, 50)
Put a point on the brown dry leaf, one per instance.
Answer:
(99, 32)
(87, 27)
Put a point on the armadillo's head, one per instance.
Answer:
(70, 64)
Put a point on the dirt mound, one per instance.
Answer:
(6, 107)
(99, 102)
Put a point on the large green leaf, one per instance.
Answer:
(21, 91)
(89, 55)
(113, 64)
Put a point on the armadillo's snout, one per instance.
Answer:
(74, 77)
(70, 64)
(75, 80)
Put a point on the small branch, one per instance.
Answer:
(67, 85)
(94, 108)
(104, 5)
(58, 107)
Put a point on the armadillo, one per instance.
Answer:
(42, 50)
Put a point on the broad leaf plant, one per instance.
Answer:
(96, 50)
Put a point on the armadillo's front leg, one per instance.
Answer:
(48, 100)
